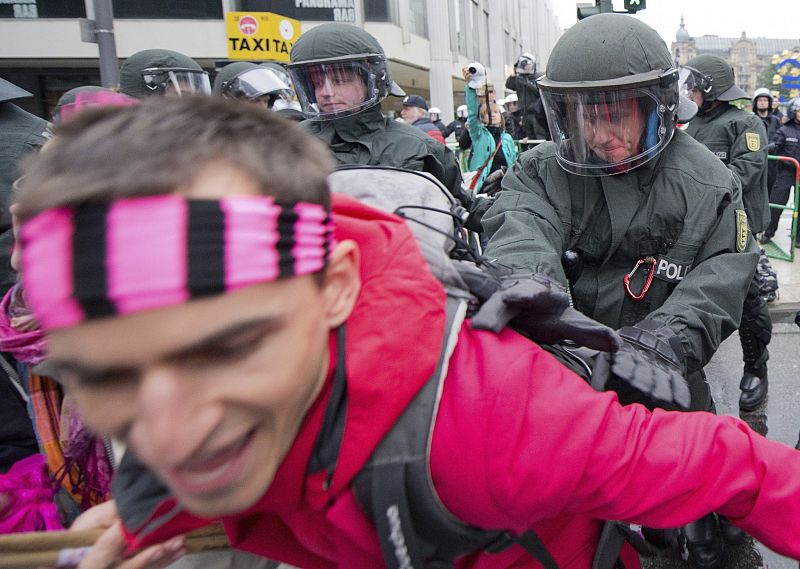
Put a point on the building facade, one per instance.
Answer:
(749, 57)
(427, 42)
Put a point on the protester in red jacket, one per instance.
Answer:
(195, 313)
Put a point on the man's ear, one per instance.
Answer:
(342, 282)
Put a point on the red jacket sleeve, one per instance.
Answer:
(542, 444)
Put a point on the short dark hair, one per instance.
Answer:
(154, 147)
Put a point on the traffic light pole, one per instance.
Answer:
(607, 6)
(98, 28)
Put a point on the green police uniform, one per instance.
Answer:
(739, 139)
(679, 210)
(368, 138)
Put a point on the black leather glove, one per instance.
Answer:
(480, 206)
(648, 369)
(538, 307)
(492, 183)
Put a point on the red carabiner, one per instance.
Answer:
(648, 280)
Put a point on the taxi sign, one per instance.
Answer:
(257, 36)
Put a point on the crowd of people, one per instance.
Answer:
(196, 329)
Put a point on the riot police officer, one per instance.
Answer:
(739, 140)
(340, 75)
(653, 218)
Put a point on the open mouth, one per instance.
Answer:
(213, 472)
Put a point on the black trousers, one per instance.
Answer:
(779, 194)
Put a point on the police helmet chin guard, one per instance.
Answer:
(608, 127)
(338, 87)
(176, 81)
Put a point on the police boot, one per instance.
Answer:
(703, 543)
(754, 379)
(730, 533)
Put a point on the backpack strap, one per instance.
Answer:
(396, 491)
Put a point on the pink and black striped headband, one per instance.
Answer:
(134, 254)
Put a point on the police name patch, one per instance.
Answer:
(742, 231)
(753, 141)
(670, 271)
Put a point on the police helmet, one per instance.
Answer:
(435, 111)
(712, 76)
(611, 73)
(762, 92)
(461, 111)
(793, 108)
(249, 82)
(339, 70)
(162, 72)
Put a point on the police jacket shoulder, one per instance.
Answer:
(700, 166)
(20, 128)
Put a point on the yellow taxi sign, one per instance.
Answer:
(256, 36)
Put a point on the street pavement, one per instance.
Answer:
(779, 417)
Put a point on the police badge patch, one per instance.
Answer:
(753, 141)
(742, 230)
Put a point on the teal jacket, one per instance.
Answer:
(483, 143)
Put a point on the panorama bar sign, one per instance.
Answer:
(260, 36)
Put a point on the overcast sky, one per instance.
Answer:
(726, 18)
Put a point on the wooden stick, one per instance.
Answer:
(35, 549)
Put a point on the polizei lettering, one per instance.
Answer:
(671, 272)
(397, 538)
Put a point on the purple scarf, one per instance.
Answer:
(26, 346)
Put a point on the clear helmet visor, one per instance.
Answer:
(258, 85)
(176, 82)
(332, 90)
(601, 133)
(692, 80)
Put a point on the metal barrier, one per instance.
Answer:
(772, 249)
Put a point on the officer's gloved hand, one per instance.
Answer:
(649, 368)
(491, 185)
(480, 205)
(538, 307)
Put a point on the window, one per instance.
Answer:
(344, 12)
(379, 10)
(475, 46)
(42, 9)
(419, 19)
(169, 9)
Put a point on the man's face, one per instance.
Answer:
(210, 394)
(762, 104)
(338, 89)
(696, 96)
(411, 113)
(613, 131)
(512, 106)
